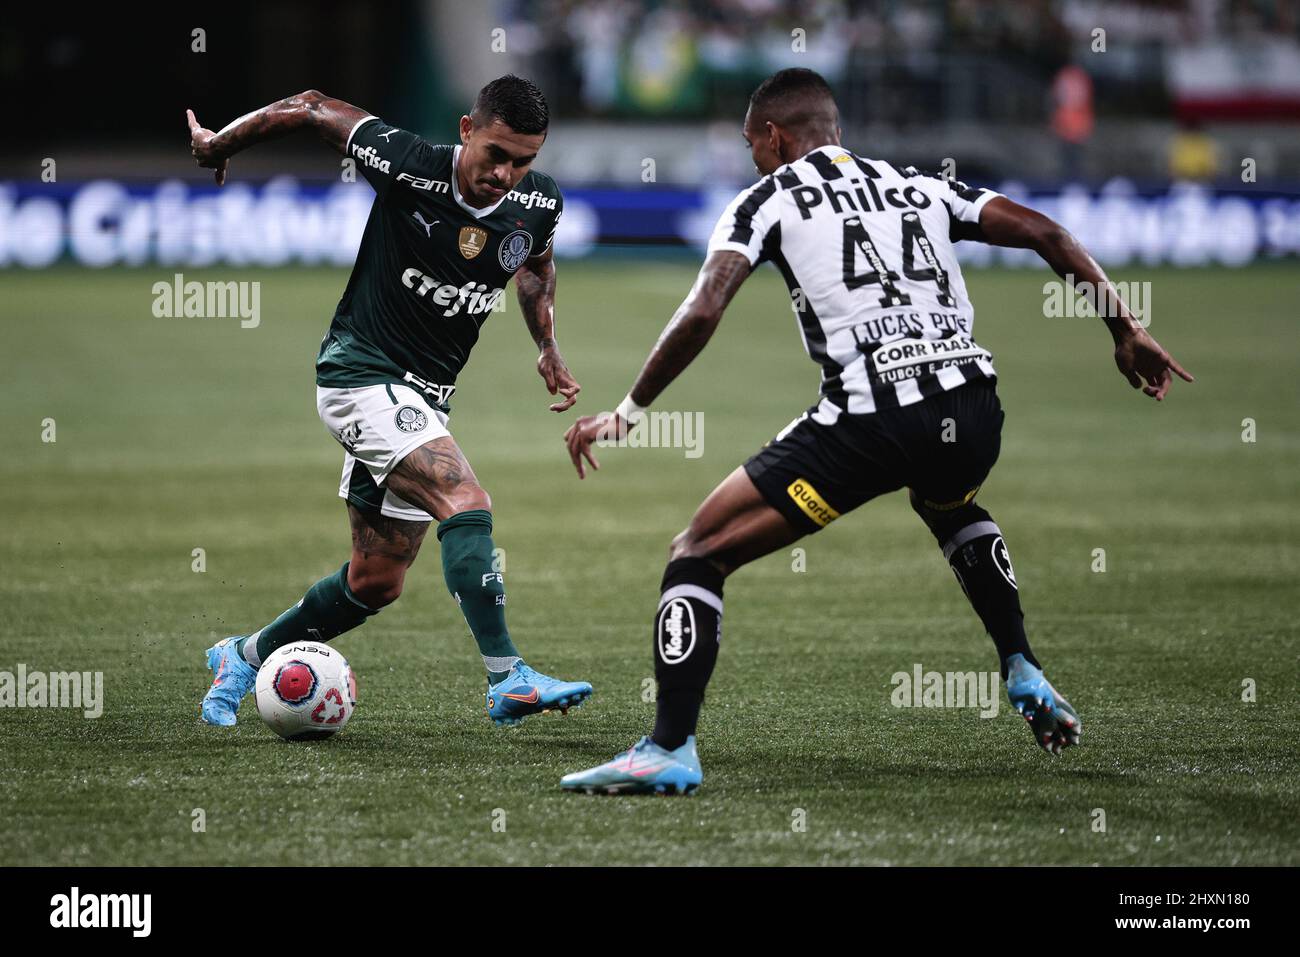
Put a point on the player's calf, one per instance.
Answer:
(437, 478)
(687, 633)
(973, 545)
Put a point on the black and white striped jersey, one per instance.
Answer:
(866, 249)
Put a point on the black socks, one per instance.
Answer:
(687, 630)
(972, 543)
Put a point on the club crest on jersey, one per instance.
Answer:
(676, 637)
(295, 682)
(514, 250)
(472, 241)
(410, 419)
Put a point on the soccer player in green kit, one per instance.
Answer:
(448, 228)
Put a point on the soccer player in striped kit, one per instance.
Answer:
(907, 400)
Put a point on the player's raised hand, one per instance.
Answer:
(203, 151)
(1140, 358)
(558, 378)
(586, 432)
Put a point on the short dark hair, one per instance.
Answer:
(516, 102)
(796, 98)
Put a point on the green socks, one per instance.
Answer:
(479, 589)
(327, 610)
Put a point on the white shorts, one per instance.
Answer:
(378, 426)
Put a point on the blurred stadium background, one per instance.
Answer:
(1159, 131)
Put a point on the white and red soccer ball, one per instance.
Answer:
(306, 691)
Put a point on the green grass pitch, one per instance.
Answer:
(177, 434)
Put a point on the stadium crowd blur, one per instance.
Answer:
(612, 57)
(901, 65)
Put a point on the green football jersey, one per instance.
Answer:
(431, 268)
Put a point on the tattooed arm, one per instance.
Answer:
(535, 285)
(681, 341)
(333, 120)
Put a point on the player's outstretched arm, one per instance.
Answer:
(535, 286)
(332, 119)
(1140, 358)
(681, 341)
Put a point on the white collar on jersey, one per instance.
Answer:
(455, 191)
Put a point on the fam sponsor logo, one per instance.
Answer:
(533, 200)
(76, 910)
(946, 689)
(54, 689)
(475, 297)
(208, 300)
(420, 182)
(440, 394)
(369, 156)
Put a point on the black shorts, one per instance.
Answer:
(942, 448)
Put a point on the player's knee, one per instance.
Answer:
(374, 586)
(685, 544)
(690, 543)
(944, 522)
(468, 496)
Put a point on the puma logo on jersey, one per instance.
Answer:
(385, 135)
(428, 227)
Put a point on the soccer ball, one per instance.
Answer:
(306, 691)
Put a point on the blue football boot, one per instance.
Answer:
(524, 691)
(232, 678)
(645, 768)
(1055, 723)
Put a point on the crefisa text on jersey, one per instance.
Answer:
(370, 156)
(528, 201)
(475, 297)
